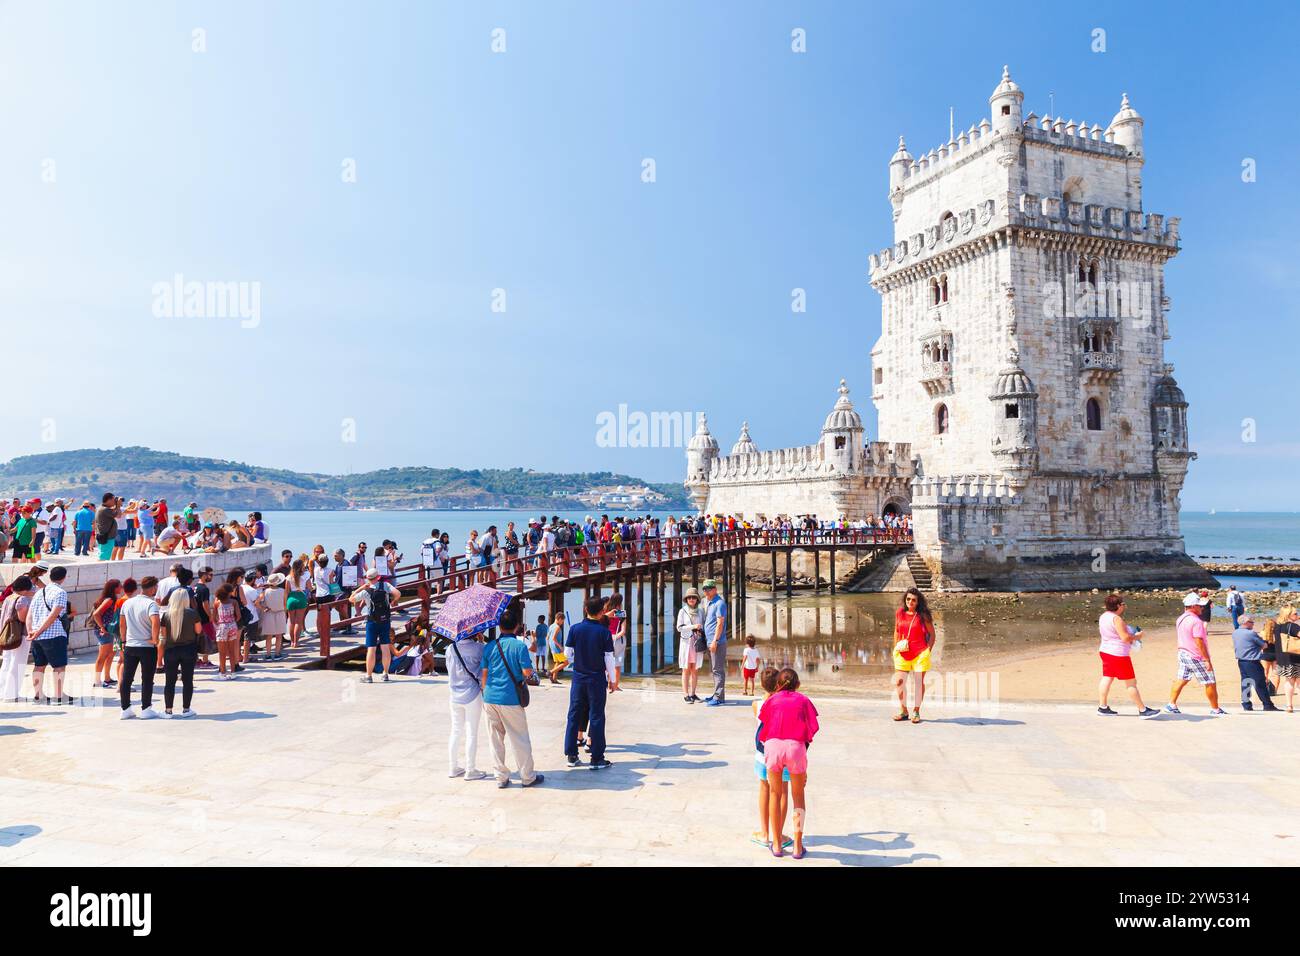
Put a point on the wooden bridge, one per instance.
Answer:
(644, 570)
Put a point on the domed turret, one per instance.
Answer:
(1015, 421)
(843, 415)
(744, 444)
(1126, 128)
(701, 452)
(898, 166)
(842, 435)
(1169, 415)
(1005, 104)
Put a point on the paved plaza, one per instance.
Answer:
(308, 767)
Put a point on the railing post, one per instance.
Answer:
(323, 630)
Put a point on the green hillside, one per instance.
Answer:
(135, 472)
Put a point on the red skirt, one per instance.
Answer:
(1121, 668)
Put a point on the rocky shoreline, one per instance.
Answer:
(1281, 571)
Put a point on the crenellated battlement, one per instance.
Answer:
(990, 489)
(1042, 212)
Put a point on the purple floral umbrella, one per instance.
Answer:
(470, 612)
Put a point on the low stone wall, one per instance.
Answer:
(1071, 572)
(86, 578)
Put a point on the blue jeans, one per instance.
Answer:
(1235, 614)
(1252, 673)
(586, 708)
(81, 541)
(56, 540)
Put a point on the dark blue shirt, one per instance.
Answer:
(590, 641)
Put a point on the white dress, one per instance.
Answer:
(687, 620)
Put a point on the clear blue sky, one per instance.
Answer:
(522, 171)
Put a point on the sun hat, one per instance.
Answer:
(690, 593)
(276, 580)
(372, 574)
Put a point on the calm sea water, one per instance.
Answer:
(1227, 536)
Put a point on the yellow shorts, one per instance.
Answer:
(558, 658)
(920, 663)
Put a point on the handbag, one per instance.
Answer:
(11, 634)
(521, 687)
(1291, 642)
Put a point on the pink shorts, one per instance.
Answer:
(789, 755)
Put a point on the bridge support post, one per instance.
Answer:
(773, 575)
(817, 571)
(832, 569)
(789, 572)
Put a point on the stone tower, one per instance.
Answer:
(1023, 322)
(701, 452)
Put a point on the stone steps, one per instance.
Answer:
(920, 571)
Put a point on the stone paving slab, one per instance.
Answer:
(296, 767)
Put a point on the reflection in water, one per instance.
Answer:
(846, 638)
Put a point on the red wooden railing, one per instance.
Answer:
(524, 572)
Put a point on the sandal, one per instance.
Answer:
(916, 716)
(902, 715)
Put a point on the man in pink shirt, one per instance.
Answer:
(1194, 656)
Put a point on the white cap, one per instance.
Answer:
(1193, 599)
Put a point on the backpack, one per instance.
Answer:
(380, 612)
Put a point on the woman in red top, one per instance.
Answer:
(913, 639)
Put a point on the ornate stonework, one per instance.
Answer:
(1026, 414)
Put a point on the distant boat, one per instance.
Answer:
(1212, 511)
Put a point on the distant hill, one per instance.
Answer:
(142, 472)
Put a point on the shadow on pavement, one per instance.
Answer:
(864, 849)
(12, 836)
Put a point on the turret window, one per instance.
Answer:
(1012, 410)
(1092, 415)
(840, 441)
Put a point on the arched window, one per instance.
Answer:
(943, 288)
(943, 354)
(1092, 273)
(941, 420)
(934, 291)
(1092, 412)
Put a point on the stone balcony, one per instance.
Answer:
(936, 377)
(1099, 367)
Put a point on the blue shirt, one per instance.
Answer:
(84, 520)
(1246, 644)
(590, 641)
(714, 612)
(500, 688)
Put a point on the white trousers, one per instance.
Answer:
(464, 728)
(12, 669)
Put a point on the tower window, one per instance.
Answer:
(878, 374)
(1012, 410)
(943, 288)
(1006, 110)
(941, 420)
(840, 441)
(934, 291)
(1092, 414)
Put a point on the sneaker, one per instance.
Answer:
(108, 683)
(166, 715)
(385, 678)
(474, 775)
(1148, 712)
(1171, 709)
(238, 668)
(689, 700)
(1218, 712)
(148, 714)
(712, 702)
(1248, 706)
(707, 700)
(129, 713)
(1107, 712)
(367, 679)
(695, 698)
(189, 712)
(540, 778)
(601, 764)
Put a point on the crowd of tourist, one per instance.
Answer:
(118, 526)
(179, 624)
